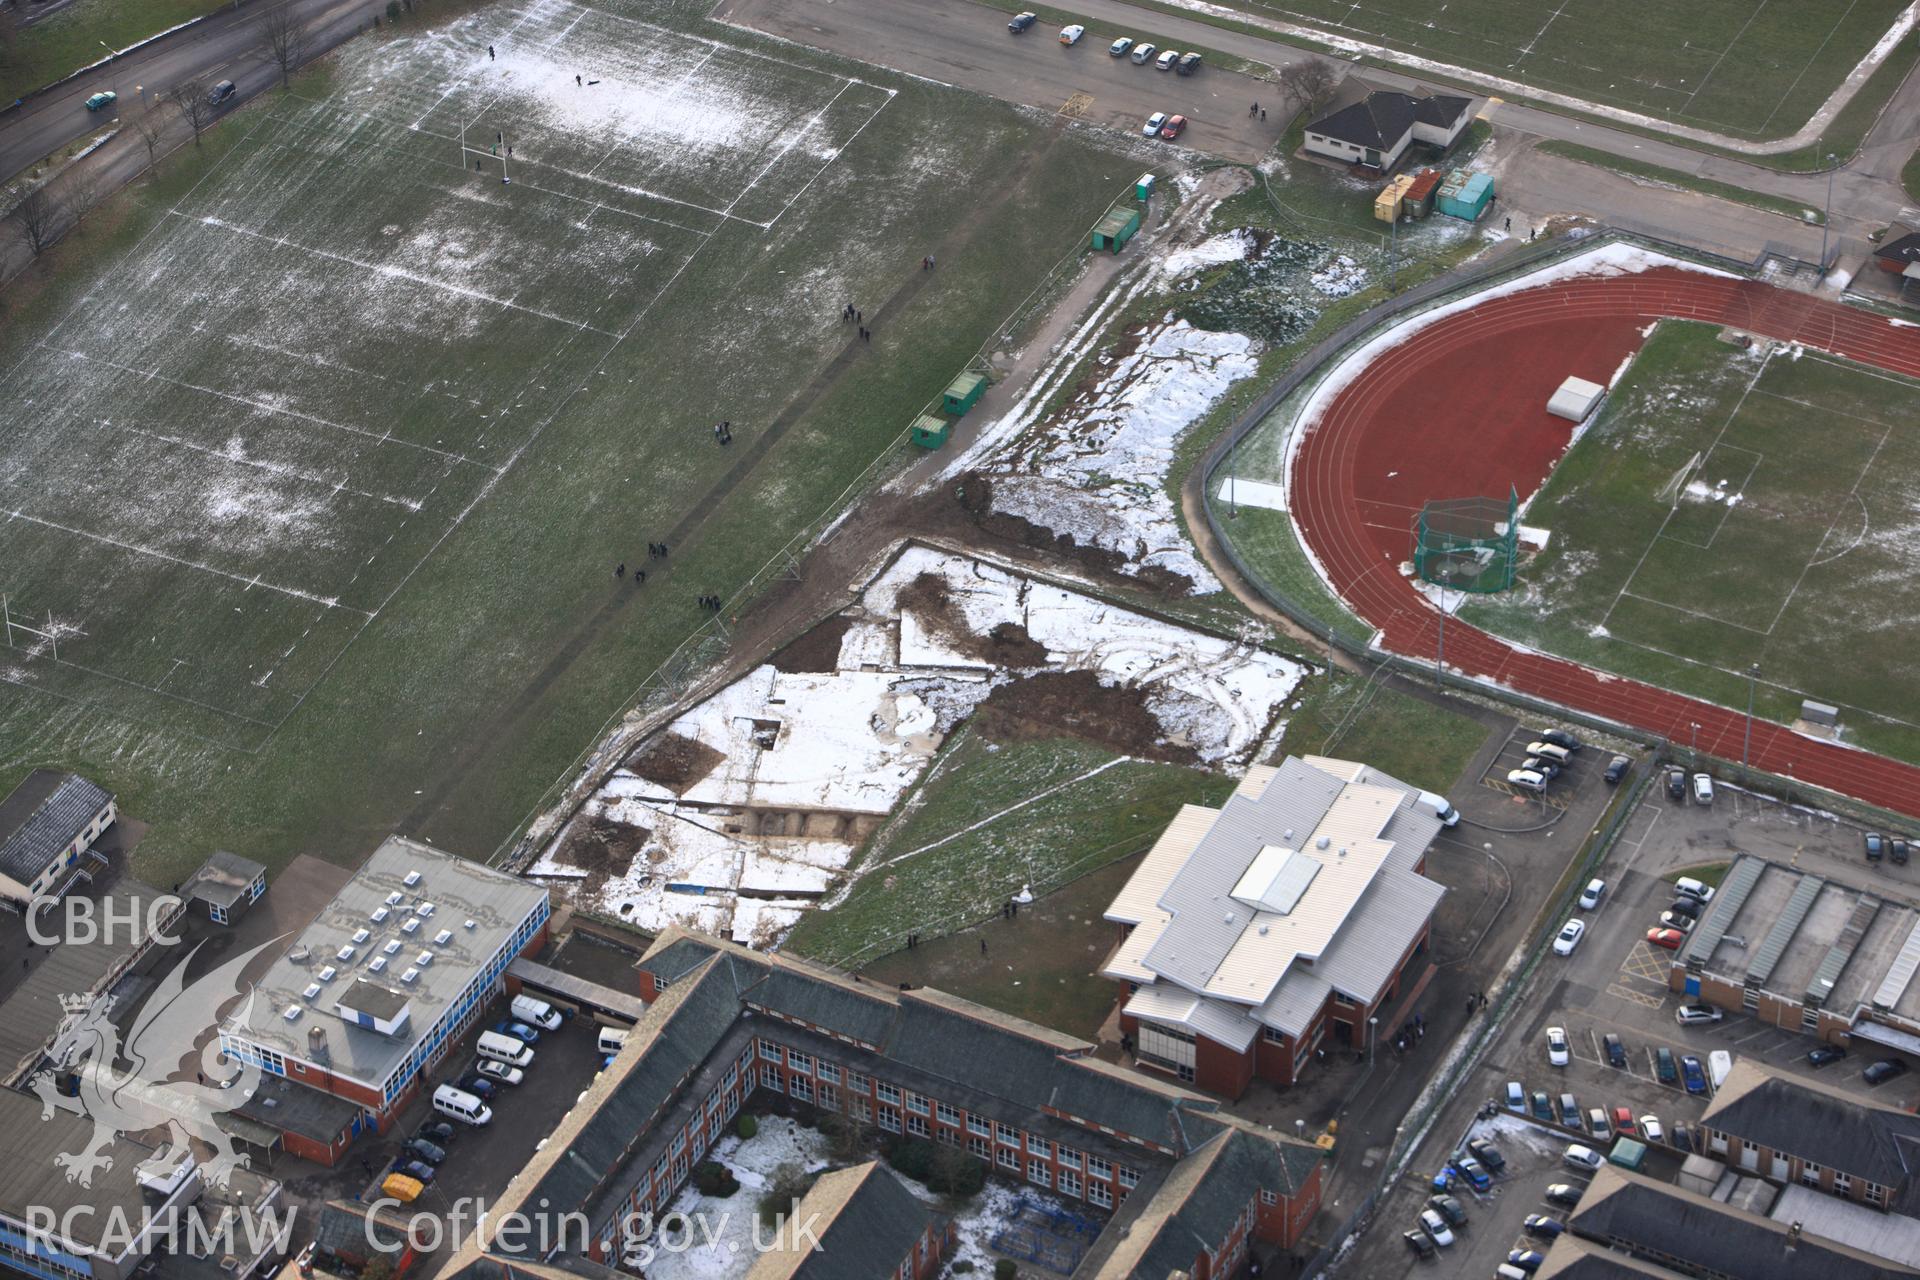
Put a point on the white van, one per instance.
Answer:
(612, 1039)
(1507, 1271)
(461, 1105)
(1719, 1064)
(536, 1013)
(1437, 805)
(504, 1049)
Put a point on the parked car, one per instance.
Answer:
(1580, 1156)
(99, 101)
(1897, 850)
(477, 1085)
(1674, 920)
(1487, 1154)
(221, 92)
(1539, 1224)
(1562, 1193)
(1569, 938)
(419, 1170)
(1143, 53)
(1021, 21)
(1559, 1052)
(1876, 846)
(499, 1071)
(1528, 1260)
(421, 1149)
(1702, 788)
(1569, 1111)
(1668, 938)
(1685, 905)
(1120, 46)
(1617, 769)
(1436, 1228)
(1676, 783)
(1450, 1208)
(1167, 59)
(1516, 1097)
(1550, 751)
(1175, 126)
(1071, 33)
(1681, 1138)
(1188, 64)
(1474, 1172)
(1695, 889)
(1825, 1055)
(1597, 1123)
(1418, 1242)
(1527, 779)
(518, 1030)
(1651, 1130)
(1542, 1107)
(1559, 738)
(1694, 1015)
(439, 1132)
(1623, 1123)
(1151, 128)
(1884, 1070)
(1548, 769)
(1664, 1066)
(1591, 895)
(1693, 1074)
(1616, 1049)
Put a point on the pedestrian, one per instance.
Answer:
(500, 135)
(866, 335)
(509, 151)
(1470, 1004)
(1532, 233)
(858, 318)
(639, 576)
(1254, 110)
(983, 946)
(930, 262)
(1509, 222)
(576, 80)
(663, 551)
(489, 53)
(620, 570)
(846, 312)
(1263, 113)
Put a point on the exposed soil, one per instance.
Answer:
(818, 651)
(605, 850)
(675, 762)
(1075, 703)
(1008, 645)
(972, 493)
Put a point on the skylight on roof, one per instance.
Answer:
(1276, 880)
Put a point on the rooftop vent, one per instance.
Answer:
(1228, 919)
(393, 945)
(361, 935)
(377, 963)
(344, 953)
(443, 937)
(412, 879)
(326, 974)
(1322, 843)
(424, 959)
(410, 975)
(409, 924)
(292, 1014)
(1287, 835)
(313, 989)
(393, 899)
(467, 925)
(379, 915)
(299, 953)
(423, 910)
(1263, 930)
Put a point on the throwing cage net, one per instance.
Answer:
(1468, 544)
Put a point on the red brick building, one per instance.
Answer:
(1263, 934)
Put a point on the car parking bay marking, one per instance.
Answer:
(1644, 999)
(1644, 962)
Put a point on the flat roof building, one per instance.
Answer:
(1250, 930)
(226, 885)
(375, 990)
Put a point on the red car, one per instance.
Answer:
(1668, 938)
(1172, 128)
(1623, 1125)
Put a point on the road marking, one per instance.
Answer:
(1076, 105)
(1640, 998)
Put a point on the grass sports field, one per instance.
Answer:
(1793, 541)
(334, 438)
(1748, 68)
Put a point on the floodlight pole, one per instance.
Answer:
(1440, 654)
(1233, 481)
(1373, 1028)
(1826, 222)
(1746, 749)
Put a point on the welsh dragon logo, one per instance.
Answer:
(170, 1083)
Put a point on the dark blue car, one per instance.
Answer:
(1694, 1075)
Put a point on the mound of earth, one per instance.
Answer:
(817, 652)
(675, 762)
(1009, 645)
(974, 494)
(605, 850)
(1075, 703)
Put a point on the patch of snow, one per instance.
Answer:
(1339, 277)
(1229, 247)
(720, 1245)
(1252, 493)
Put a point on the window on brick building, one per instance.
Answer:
(1069, 1157)
(1099, 1193)
(976, 1125)
(1069, 1182)
(770, 1077)
(889, 1119)
(799, 1061)
(886, 1092)
(829, 1073)
(829, 1097)
(802, 1088)
(1010, 1158)
(1039, 1146)
(917, 1104)
(1039, 1173)
(947, 1114)
(980, 1147)
(918, 1127)
(1098, 1168)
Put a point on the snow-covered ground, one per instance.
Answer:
(848, 744)
(718, 1241)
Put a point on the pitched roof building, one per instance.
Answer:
(1256, 930)
(863, 1226)
(46, 823)
(1374, 127)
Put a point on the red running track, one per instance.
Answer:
(1459, 408)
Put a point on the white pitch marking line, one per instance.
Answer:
(837, 153)
(273, 468)
(672, 93)
(793, 137)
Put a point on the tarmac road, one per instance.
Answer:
(962, 43)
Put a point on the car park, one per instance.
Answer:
(1884, 1070)
(1151, 128)
(1120, 46)
(1143, 53)
(1668, 938)
(1516, 1097)
(1651, 1130)
(1167, 59)
(1825, 1055)
(1527, 779)
(1474, 1172)
(499, 1071)
(1539, 1224)
(1418, 1242)
(1542, 1107)
(1559, 1052)
(1021, 21)
(1623, 1124)
(1694, 1015)
(1562, 1193)
(518, 1030)
(1436, 1228)
(1449, 1208)
(1528, 1260)
(1597, 1123)
(1694, 1076)
(1188, 64)
(1617, 769)
(1702, 788)
(1487, 1154)
(1174, 127)
(1570, 935)
(1664, 1067)
(1591, 895)
(1071, 33)
(421, 1149)
(477, 1085)
(1876, 845)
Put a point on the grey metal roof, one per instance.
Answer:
(40, 818)
(591, 995)
(1727, 901)
(31, 1015)
(1900, 972)
(1383, 924)
(1821, 985)
(1760, 964)
(454, 889)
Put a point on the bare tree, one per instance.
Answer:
(85, 189)
(1311, 84)
(190, 98)
(284, 40)
(148, 125)
(35, 211)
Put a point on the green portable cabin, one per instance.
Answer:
(1114, 230)
(963, 393)
(1628, 1154)
(1467, 200)
(930, 432)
